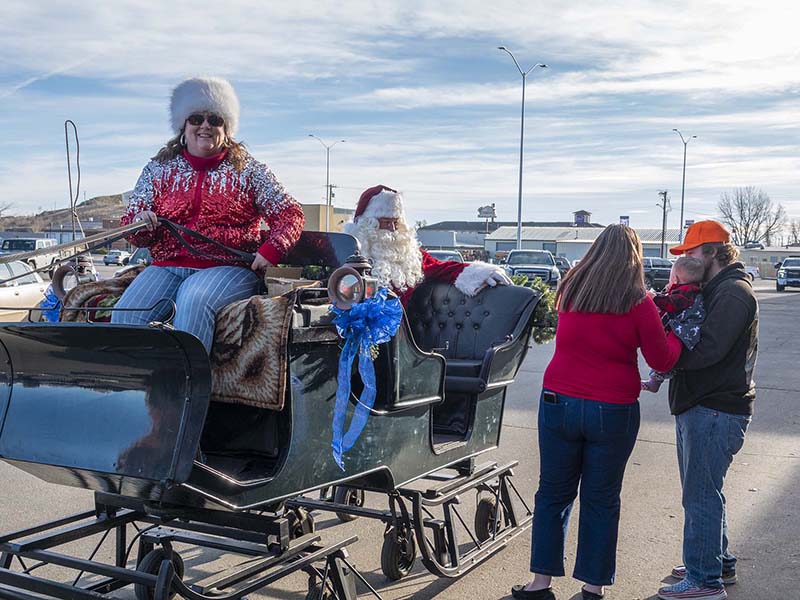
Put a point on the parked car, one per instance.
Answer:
(19, 294)
(446, 255)
(656, 272)
(116, 257)
(140, 257)
(533, 263)
(753, 246)
(753, 272)
(788, 273)
(14, 245)
(562, 264)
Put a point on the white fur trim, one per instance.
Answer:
(351, 228)
(385, 205)
(474, 277)
(205, 94)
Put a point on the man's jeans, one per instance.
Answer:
(707, 441)
(588, 443)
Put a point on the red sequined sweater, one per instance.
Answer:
(209, 196)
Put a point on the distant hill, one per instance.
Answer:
(98, 209)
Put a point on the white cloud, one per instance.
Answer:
(398, 81)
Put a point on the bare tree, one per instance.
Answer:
(751, 215)
(794, 232)
(5, 206)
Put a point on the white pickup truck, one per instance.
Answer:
(15, 245)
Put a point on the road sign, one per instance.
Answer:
(487, 212)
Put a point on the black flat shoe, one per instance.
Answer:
(519, 592)
(587, 595)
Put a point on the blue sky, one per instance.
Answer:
(426, 102)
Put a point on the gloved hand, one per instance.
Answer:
(498, 276)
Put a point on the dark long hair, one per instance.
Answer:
(609, 279)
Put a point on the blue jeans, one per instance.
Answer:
(587, 443)
(198, 295)
(707, 441)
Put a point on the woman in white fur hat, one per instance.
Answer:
(206, 180)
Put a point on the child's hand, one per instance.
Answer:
(651, 293)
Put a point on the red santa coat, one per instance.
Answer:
(469, 278)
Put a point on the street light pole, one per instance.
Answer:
(327, 176)
(521, 138)
(683, 183)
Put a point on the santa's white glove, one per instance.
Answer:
(498, 277)
(477, 275)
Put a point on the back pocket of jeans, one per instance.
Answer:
(551, 415)
(615, 420)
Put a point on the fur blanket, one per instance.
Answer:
(249, 357)
(86, 294)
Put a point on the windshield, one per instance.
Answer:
(142, 254)
(444, 255)
(19, 245)
(530, 258)
(791, 262)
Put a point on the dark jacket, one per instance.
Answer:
(718, 372)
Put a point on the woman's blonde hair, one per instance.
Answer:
(609, 279)
(237, 154)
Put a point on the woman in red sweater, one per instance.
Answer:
(204, 179)
(589, 409)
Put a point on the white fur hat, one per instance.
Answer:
(205, 94)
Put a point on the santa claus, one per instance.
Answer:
(398, 262)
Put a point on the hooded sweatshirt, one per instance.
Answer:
(718, 372)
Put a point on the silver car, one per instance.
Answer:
(19, 294)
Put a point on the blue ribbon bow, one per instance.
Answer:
(50, 305)
(367, 324)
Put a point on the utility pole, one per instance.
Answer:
(664, 208)
(521, 137)
(329, 208)
(328, 186)
(683, 181)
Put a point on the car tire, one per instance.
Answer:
(779, 287)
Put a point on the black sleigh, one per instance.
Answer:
(126, 411)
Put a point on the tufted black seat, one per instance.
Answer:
(483, 339)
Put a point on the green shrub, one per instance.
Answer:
(545, 315)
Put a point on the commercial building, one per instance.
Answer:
(315, 217)
(569, 242)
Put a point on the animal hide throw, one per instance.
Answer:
(249, 358)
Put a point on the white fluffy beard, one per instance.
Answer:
(396, 257)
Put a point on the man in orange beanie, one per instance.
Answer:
(711, 396)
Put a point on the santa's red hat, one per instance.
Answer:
(379, 202)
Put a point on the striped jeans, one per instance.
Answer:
(198, 295)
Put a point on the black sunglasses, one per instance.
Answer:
(213, 120)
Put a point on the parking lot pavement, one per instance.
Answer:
(761, 490)
(105, 272)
